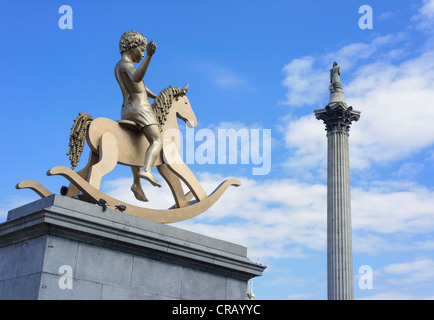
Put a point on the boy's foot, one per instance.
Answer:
(138, 193)
(150, 177)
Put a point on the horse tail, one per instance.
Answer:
(78, 137)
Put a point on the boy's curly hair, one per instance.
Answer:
(130, 40)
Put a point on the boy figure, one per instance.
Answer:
(136, 106)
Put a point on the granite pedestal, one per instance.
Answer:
(63, 248)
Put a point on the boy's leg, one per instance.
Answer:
(152, 133)
(136, 188)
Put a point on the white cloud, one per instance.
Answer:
(350, 55)
(305, 84)
(227, 80)
(385, 16)
(411, 272)
(408, 210)
(409, 169)
(425, 17)
(397, 113)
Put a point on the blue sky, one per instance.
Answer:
(250, 65)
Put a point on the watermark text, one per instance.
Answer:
(366, 21)
(65, 21)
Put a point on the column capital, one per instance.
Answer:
(337, 116)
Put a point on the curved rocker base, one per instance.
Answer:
(170, 215)
(35, 186)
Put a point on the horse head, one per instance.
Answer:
(184, 109)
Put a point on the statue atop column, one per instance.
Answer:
(335, 78)
(337, 115)
(336, 93)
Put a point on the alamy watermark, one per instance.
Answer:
(366, 21)
(66, 277)
(220, 146)
(65, 21)
(366, 280)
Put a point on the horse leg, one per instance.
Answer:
(136, 188)
(84, 173)
(174, 185)
(177, 165)
(108, 158)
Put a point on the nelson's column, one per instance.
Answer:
(337, 117)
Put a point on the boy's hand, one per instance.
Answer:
(151, 47)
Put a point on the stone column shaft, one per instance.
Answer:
(339, 243)
(337, 117)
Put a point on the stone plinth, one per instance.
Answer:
(62, 248)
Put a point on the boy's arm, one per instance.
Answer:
(141, 70)
(129, 71)
(150, 93)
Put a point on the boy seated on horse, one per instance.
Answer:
(136, 106)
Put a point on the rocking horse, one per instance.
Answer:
(112, 142)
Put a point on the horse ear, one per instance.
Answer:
(185, 88)
(183, 91)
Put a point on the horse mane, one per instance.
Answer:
(162, 104)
